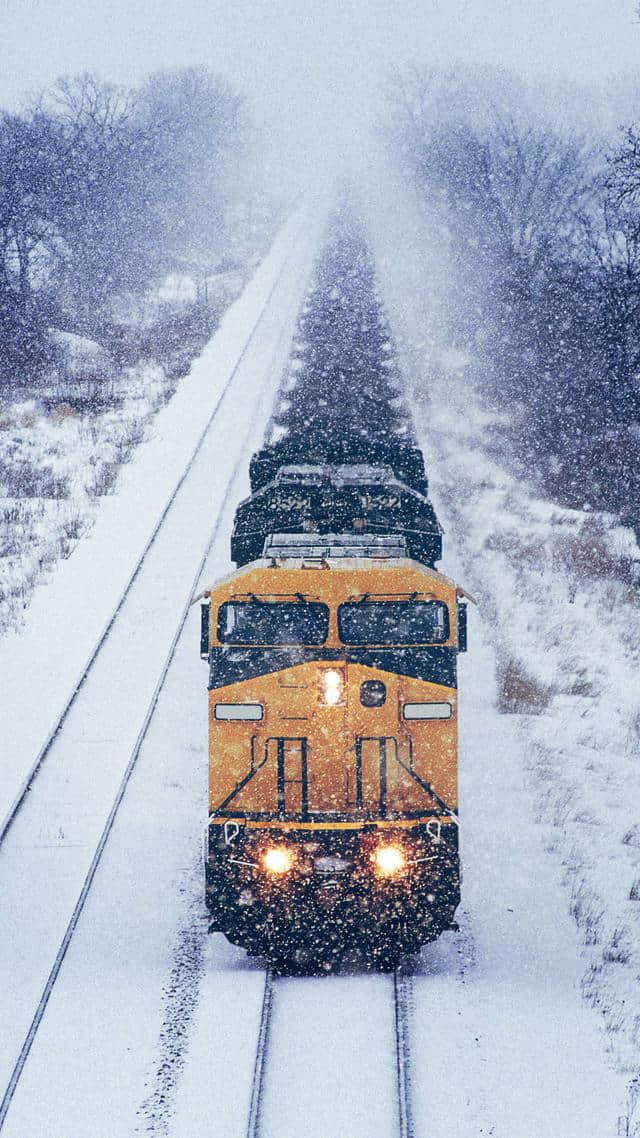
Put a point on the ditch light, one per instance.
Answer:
(278, 859)
(389, 860)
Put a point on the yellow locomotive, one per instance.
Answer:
(333, 749)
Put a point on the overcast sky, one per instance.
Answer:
(310, 58)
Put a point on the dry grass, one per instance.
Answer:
(518, 692)
(529, 553)
(129, 435)
(91, 394)
(22, 479)
(582, 686)
(102, 480)
(586, 554)
(618, 950)
(587, 911)
(632, 836)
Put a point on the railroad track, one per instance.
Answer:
(44, 750)
(29, 813)
(401, 1003)
(398, 987)
(259, 1067)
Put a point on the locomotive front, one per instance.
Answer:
(333, 755)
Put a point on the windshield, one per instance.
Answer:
(263, 622)
(393, 622)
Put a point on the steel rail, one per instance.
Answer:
(403, 1053)
(259, 1067)
(401, 1000)
(14, 809)
(97, 856)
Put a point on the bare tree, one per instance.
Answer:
(196, 127)
(104, 189)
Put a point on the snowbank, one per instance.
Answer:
(558, 597)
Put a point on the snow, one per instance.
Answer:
(332, 1059)
(500, 1002)
(70, 611)
(556, 600)
(152, 1025)
(144, 915)
(557, 591)
(78, 352)
(59, 457)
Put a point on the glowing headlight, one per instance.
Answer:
(388, 860)
(278, 859)
(332, 687)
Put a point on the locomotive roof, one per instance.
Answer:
(336, 565)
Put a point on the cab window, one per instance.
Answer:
(265, 622)
(393, 622)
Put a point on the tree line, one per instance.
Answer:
(544, 233)
(104, 190)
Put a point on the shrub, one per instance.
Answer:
(518, 692)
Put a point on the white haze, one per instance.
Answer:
(313, 71)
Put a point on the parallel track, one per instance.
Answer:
(95, 861)
(52, 977)
(39, 759)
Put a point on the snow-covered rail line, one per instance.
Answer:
(55, 842)
(401, 998)
(44, 750)
(257, 1084)
(79, 906)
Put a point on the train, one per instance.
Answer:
(332, 650)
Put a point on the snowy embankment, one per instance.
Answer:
(60, 454)
(557, 593)
(555, 589)
(41, 663)
(116, 1021)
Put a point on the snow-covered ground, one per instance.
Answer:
(151, 1027)
(63, 444)
(57, 462)
(76, 603)
(550, 734)
(106, 1003)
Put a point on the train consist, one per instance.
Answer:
(332, 660)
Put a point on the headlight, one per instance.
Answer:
(389, 860)
(332, 687)
(278, 859)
